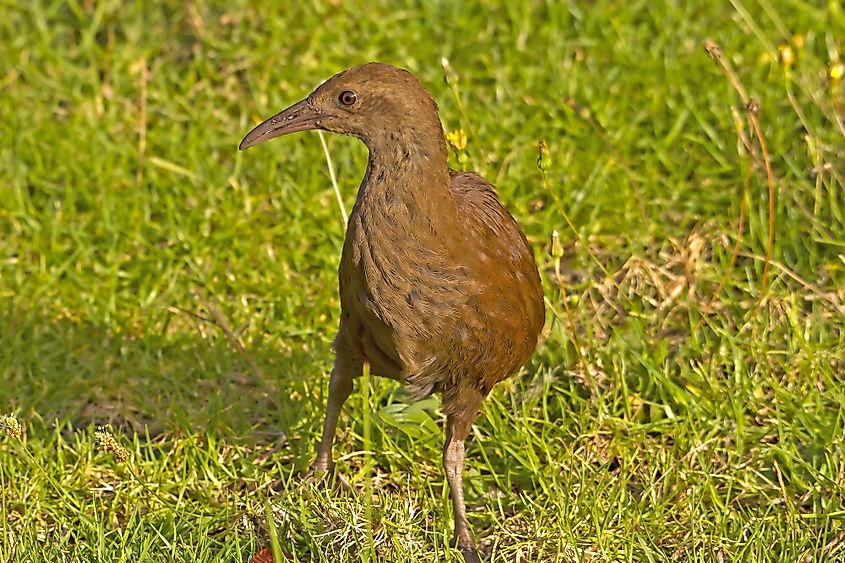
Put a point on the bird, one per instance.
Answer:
(438, 284)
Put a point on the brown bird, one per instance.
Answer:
(438, 286)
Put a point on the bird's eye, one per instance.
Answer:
(348, 97)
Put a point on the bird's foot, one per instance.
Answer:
(326, 473)
(469, 552)
(470, 555)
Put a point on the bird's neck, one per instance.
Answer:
(409, 163)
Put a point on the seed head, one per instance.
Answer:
(10, 426)
(106, 443)
(451, 75)
(544, 161)
(555, 248)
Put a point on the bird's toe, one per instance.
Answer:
(469, 552)
(326, 474)
(470, 555)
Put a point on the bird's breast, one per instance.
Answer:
(433, 288)
(389, 252)
(398, 285)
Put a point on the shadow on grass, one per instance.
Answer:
(83, 373)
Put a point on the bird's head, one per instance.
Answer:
(374, 102)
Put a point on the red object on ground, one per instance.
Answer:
(264, 556)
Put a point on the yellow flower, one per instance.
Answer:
(786, 55)
(457, 140)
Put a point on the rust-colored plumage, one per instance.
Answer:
(438, 285)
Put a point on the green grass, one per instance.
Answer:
(660, 420)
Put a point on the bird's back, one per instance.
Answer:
(509, 302)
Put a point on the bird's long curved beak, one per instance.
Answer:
(298, 117)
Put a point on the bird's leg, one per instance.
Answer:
(340, 386)
(457, 429)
